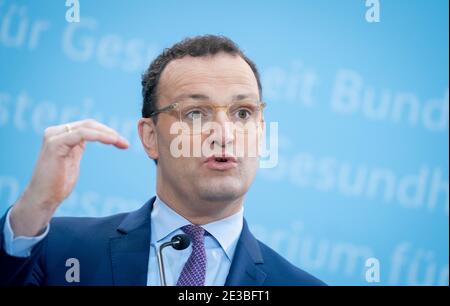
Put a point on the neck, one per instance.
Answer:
(199, 211)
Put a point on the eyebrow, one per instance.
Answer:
(191, 96)
(244, 97)
(203, 97)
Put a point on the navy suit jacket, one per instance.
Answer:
(114, 251)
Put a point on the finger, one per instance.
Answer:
(62, 128)
(89, 123)
(82, 134)
(93, 124)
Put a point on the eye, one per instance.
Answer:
(194, 114)
(243, 113)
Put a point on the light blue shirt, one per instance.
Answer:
(220, 243)
(19, 246)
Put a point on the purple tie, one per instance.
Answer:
(194, 270)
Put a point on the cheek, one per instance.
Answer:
(178, 161)
(248, 145)
(251, 167)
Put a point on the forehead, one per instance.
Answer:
(221, 75)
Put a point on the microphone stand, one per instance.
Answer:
(178, 242)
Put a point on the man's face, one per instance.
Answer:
(218, 80)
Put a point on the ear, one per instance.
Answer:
(147, 133)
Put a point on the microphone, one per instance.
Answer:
(178, 242)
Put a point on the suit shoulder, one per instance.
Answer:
(102, 225)
(281, 272)
(82, 226)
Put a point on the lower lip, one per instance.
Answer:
(216, 165)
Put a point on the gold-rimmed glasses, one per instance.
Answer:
(194, 116)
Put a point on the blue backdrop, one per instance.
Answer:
(362, 109)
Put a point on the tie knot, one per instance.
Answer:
(195, 232)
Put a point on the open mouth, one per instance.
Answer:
(221, 159)
(221, 162)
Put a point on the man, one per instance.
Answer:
(202, 78)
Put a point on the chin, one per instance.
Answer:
(221, 189)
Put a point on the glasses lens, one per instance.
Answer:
(244, 116)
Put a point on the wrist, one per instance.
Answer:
(29, 218)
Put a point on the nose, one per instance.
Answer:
(224, 137)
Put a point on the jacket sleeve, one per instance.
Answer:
(20, 271)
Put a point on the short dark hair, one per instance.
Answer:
(194, 46)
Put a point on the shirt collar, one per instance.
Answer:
(165, 221)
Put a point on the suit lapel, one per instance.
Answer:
(129, 248)
(245, 268)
